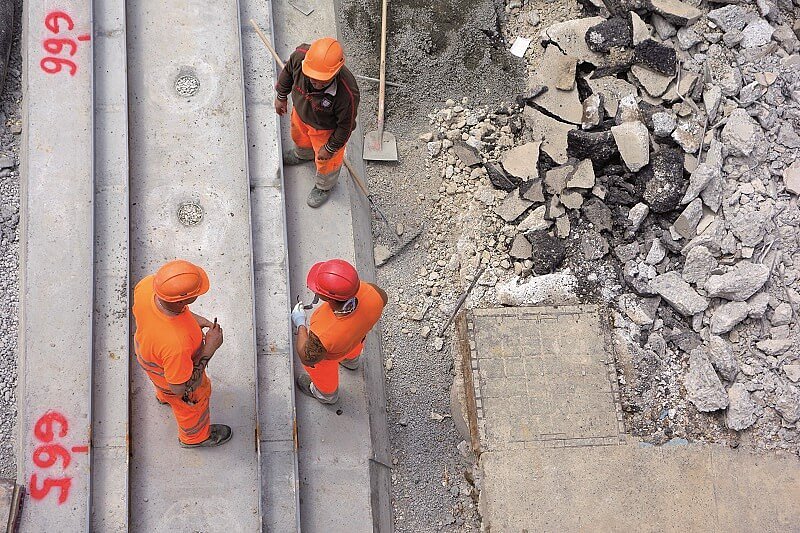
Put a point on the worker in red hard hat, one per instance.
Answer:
(325, 101)
(336, 332)
(171, 347)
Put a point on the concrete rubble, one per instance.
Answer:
(669, 173)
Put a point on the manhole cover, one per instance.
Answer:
(187, 85)
(190, 213)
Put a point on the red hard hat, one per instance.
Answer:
(336, 279)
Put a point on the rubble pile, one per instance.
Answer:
(652, 163)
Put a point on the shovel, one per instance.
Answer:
(381, 145)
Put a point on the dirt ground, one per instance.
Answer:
(447, 50)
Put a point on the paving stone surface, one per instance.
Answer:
(555, 456)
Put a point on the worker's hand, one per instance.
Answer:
(298, 316)
(323, 154)
(214, 337)
(281, 106)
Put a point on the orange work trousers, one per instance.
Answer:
(309, 141)
(194, 421)
(325, 374)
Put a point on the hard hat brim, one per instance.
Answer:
(318, 74)
(311, 279)
(202, 289)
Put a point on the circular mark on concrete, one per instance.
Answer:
(190, 213)
(187, 85)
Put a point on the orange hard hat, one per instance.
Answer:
(336, 279)
(324, 59)
(180, 280)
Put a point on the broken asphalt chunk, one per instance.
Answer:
(656, 56)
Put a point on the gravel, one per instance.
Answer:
(436, 51)
(9, 255)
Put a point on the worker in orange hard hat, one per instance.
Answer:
(325, 98)
(171, 347)
(337, 329)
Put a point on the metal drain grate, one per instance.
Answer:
(187, 85)
(190, 213)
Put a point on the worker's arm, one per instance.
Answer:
(202, 321)
(384, 296)
(284, 85)
(213, 341)
(308, 347)
(346, 108)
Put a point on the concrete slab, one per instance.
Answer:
(342, 447)
(280, 502)
(555, 457)
(109, 482)
(55, 345)
(205, 161)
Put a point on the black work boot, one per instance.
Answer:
(220, 434)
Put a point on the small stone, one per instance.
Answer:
(703, 386)
(583, 177)
(593, 245)
(721, 356)
(425, 331)
(686, 223)
(664, 182)
(677, 12)
(556, 179)
(434, 148)
(792, 372)
(381, 253)
(663, 124)
(787, 403)
(741, 413)
(653, 83)
(593, 111)
(571, 199)
(712, 97)
(698, 181)
(426, 137)
(512, 207)
(679, 294)
(656, 56)
(6, 162)
(656, 254)
(730, 17)
(535, 221)
(774, 347)
(521, 248)
(791, 178)
(438, 344)
(614, 32)
(687, 134)
(663, 28)
(599, 146)
(633, 143)
(698, 266)
(738, 284)
(758, 304)
(547, 252)
(562, 227)
(757, 33)
(521, 161)
(598, 213)
(727, 316)
(612, 90)
(467, 154)
(532, 190)
(782, 315)
(741, 133)
(687, 38)
(636, 216)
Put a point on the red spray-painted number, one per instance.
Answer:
(51, 454)
(54, 22)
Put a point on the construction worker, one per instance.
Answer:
(325, 100)
(171, 348)
(335, 335)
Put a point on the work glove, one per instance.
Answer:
(298, 316)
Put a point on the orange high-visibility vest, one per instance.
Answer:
(340, 334)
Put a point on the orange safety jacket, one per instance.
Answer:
(340, 334)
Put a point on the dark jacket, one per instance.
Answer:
(333, 108)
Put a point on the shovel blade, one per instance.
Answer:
(375, 150)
